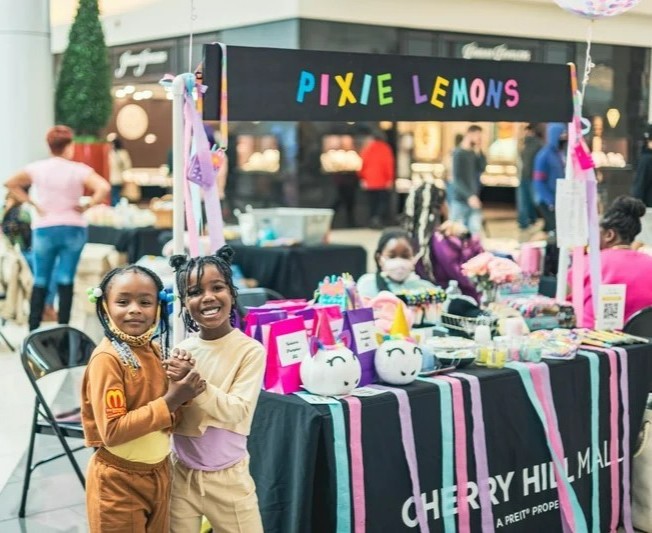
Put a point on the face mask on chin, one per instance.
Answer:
(397, 268)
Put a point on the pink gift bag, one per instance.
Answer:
(286, 342)
(332, 312)
(256, 320)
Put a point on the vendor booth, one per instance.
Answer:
(510, 429)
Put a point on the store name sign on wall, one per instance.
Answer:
(496, 53)
(290, 85)
(139, 62)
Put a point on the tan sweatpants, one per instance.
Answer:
(226, 497)
(125, 496)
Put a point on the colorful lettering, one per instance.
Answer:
(439, 91)
(460, 93)
(345, 84)
(366, 89)
(419, 97)
(511, 90)
(306, 85)
(478, 92)
(323, 96)
(494, 93)
(384, 91)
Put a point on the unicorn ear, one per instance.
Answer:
(345, 338)
(380, 338)
(314, 345)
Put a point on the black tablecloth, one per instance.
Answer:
(135, 242)
(292, 456)
(295, 271)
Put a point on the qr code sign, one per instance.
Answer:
(610, 311)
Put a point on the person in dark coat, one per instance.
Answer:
(642, 187)
(527, 210)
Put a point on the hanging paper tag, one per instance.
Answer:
(583, 156)
(571, 213)
(292, 347)
(611, 307)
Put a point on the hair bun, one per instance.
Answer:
(226, 253)
(178, 261)
(629, 206)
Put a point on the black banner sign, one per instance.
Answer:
(277, 84)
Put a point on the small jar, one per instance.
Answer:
(499, 354)
(483, 342)
(532, 350)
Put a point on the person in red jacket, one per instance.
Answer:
(377, 177)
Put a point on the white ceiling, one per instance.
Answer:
(63, 11)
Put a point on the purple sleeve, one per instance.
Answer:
(448, 256)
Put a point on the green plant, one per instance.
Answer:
(83, 94)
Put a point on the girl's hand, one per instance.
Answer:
(177, 369)
(182, 354)
(180, 392)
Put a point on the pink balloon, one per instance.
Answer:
(597, 9)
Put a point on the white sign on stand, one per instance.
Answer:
(611, 307)
(571, 213)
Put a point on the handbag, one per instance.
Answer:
(642, 476)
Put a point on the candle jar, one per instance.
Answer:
(498, 355)
(532, 350)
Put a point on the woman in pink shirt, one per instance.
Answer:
(55, 187)
(621, 265)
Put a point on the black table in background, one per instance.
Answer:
(295, 271)
(135, 242)
(293, 458)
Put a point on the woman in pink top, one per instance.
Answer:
(55, 187)
(621, 265)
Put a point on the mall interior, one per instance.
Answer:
(302, 164)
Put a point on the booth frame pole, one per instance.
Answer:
(178, 164)
(564, 252)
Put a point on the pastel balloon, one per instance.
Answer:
(597, 9)
(398, 362)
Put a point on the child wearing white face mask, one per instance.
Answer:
(395, 261)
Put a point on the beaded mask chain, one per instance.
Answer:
(123, 341)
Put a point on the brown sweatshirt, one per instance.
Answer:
(121, 404)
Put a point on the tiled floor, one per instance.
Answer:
(56, 498)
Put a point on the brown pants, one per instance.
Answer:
(124, 496)
(226, 497)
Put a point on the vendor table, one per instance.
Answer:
(295, 271)
(293, 452)
(135, 242)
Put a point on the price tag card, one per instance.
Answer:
(571, 213)
(292, 347)
(364, 334)
(362, 392)
(611, 307)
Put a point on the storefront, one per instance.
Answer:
(295, 163)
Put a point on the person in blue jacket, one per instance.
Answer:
(548, 168)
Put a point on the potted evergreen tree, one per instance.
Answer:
(83, 93)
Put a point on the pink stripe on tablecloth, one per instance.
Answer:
(357, 464)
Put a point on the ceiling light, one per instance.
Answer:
(129, 89)
(120, 93)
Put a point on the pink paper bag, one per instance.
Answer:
(286, 342)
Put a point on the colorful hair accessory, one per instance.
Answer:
(94, 294)
(167, 297)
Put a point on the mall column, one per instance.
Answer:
(26, 87)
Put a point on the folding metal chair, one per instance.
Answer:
(254, 298)
(44, 352)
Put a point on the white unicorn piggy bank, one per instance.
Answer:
(398, 361)
(330, 370)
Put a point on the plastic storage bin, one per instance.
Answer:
(309, 226)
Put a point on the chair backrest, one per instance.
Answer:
(45, 351)
(640, 324)
(254, 298)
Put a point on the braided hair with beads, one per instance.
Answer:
(121, 341)
(184, 267)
